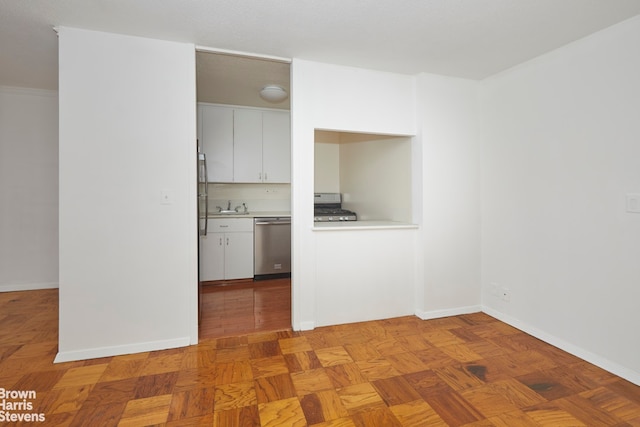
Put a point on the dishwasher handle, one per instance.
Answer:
(272, 221)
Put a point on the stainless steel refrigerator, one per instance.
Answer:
(203, 213)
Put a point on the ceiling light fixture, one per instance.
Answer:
(273, 93)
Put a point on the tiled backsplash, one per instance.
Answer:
(258, 197)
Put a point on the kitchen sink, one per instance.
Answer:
(226, 212)
(239, 210)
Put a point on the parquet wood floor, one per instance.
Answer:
(469, 370)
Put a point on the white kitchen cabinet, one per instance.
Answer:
(262, 146)
(215, 133)
(238, 255)
(212, 256)
(276, 147)
(226, 252)
(245, 145)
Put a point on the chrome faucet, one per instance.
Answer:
(244, 205)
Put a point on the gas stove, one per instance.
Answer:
(327, 215)
(327, 207)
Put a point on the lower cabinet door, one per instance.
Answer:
(212, 256)
(238, 260)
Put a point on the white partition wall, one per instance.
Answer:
(370, 273)
(128, 232)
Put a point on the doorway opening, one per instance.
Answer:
(246, 140)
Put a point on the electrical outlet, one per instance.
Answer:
(506, 294)
(166, 197)
(633, 202)
(493, 288)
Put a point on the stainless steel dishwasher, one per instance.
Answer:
(272, 247)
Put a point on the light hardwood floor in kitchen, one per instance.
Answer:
(468, 370)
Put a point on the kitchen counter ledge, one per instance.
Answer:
(250, 215)
(362, 225)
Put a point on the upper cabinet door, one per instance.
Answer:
(276, 146)
(247, 162)
(245, 145)
(216, 140)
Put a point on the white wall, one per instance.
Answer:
(28, 189)
(326, 170)
(341, 98)
(257, 197)
(561, 151)
(450, 191)
(128, 263)
(376, 177)
(364, 275)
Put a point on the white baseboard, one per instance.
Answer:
(93, 353)
(305, 326)
(8, 287)
(595, 359)
(436, 314)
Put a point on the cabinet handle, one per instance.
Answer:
(221, 241)
(227, 241)
(265, 176)
(260, 176)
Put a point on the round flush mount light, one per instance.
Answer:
(273, 93)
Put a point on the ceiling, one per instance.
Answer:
(237, 80)
(464, 38)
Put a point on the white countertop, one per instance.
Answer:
(324, 226)
(250, 214)
(362, 225)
